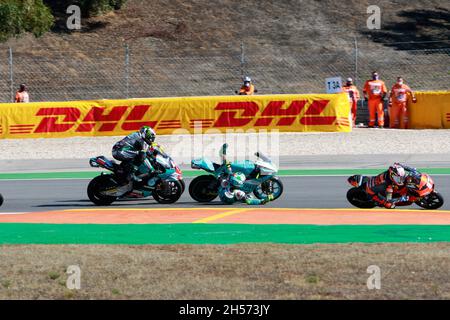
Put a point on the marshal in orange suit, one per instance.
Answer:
(374, 92)
(398, 100)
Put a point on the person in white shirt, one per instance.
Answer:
(22, 94)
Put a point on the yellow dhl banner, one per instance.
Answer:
(432, 110)
(286, 113)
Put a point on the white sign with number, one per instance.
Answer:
(334, 85)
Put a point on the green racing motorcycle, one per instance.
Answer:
(261, 178)
(161, 179)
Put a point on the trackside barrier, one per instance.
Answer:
(432, 111)
(286, 113)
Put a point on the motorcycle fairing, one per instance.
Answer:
(251, 184)
(245, 166)
(103, 162)
(204, 164)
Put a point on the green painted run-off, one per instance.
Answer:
(193, 173)
(24, 233)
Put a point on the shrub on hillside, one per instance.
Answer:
(96, 7)
(19, 16)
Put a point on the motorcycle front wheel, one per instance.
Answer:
(272, 186)
(1, 199)
(359, 198)
(183, 185)
(432, 201)
(167, 191)
(97, 186)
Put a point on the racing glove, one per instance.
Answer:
(389, 205)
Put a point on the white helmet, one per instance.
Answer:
(247, 79)
(397, 174)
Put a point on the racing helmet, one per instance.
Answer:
(247, 79)
(397, 174)
(147, 134)
(237, 179)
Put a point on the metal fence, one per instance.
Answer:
(133, 72)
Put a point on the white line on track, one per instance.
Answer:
(12, 213)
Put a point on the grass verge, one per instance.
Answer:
(180, 233)
(194, 173)
(245, 271)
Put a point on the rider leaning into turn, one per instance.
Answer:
(132, 150)
(387, 183)
(230, 184)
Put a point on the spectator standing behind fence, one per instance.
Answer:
(248, 88)
(374, 93)
(22, 94)
(398, 104)
(353, 97)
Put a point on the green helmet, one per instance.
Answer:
(148, 134)
(237, 179)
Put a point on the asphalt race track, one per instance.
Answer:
(299, 192)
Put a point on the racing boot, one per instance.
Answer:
(253, 201)
(129, 172)
(268, 199)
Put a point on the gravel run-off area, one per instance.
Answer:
(183, 148)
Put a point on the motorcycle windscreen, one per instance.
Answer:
(164, 161)
(263, 157)
(266, 168)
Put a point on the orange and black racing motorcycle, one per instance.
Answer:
(419, 189)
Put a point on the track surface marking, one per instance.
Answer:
(234, 216)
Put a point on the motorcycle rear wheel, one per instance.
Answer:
(431, 202)
(359, 199)
(99, 184)
(1, 199)
(204, 188)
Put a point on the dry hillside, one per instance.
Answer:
(188, 47)
(180, 24)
